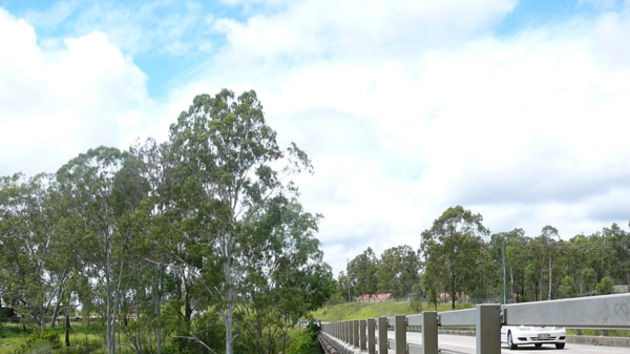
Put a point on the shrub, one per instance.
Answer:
(40, 342)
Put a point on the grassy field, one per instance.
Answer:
(12, 337)
(362, 310)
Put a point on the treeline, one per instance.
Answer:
(201, 239)
(459, 259)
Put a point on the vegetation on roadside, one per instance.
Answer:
(13, 340)
(196, 244)
(362, 310)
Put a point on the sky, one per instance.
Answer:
(516, 110)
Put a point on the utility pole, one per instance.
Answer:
(504, 271)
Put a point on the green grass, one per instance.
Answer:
(363, 310)
(12, 337)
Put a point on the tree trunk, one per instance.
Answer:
(187, 305)
(453, 290)
(158, 313)
(67, 326)
(550, 277)
(57, 306)
(229, 296)
(229, 312)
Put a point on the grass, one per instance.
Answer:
(362, 310)
(12, 337)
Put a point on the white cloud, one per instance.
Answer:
(57, 103)
(528, 130)
(357, 29)
(406, 109)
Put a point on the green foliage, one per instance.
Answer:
(567, 288)
(303, 341)
(40, 342)
(362, 273)
(454, 252)
(416, 298)
(398, 270)
(605, 286)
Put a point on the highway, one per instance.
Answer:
(466, 344)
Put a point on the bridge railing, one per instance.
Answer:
(371, 335)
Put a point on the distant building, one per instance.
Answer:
(375, 298)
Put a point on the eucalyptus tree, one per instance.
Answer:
(618, 242)
(577, 256)
(26, 240)
(452, 248)
(345, 288)
(553, 243)
(227, 164)
(398, 270)
(151, 222)
(284, 276)
(510, 252)
(105, 189)
(362, 271)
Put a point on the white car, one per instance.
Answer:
(533, 335)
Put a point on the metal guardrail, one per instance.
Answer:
(370, 335)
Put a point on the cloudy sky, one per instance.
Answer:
(517, 110)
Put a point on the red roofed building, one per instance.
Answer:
(374, 297)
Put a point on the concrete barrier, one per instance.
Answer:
(600, 340)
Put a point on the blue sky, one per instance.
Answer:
(169, 39)
(513, 109)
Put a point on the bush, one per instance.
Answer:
(40, 342)
(303, 341)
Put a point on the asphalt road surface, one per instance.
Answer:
(466, 344)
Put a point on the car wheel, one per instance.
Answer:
(560, 345)
(511, 344)
(538, 345)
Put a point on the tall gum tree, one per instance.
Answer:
(398, 270)
(27, 238)
(226, 162)
(104, 192)
(451, 248)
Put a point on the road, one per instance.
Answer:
(466, 344)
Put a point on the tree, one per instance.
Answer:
(451, 248)
(551, 243)
(398, 270)
(285, 277)
(104, 189)
(344, 288)
(362, 273)
(224, 158)
(515, 245)
(567, 288)
(618, 241)
(605, 286)
(26, 237)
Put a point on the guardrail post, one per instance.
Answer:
(400, 326)
(349, 332)
(355, 333)
(429, 333)
(382, 335)
(371, 336)
(362, 338)
(488, 328)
